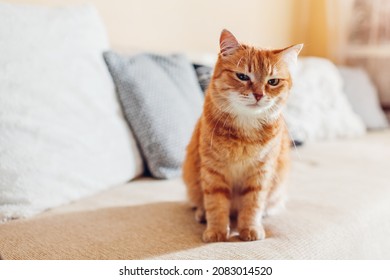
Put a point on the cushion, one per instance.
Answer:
(363, 97)
(318, 108)
(203, 73)
(162, 101)
(62, 133)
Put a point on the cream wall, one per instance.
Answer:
(311, 26)
(191, 25)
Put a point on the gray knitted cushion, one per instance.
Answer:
(204, 74)
(162, 101)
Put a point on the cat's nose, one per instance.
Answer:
(258, 96)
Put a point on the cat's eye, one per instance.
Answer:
(273, 82)
(242, 77)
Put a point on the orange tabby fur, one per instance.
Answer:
(238, 156)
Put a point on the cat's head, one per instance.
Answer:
(250, 81)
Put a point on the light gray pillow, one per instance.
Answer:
(363, 97)
(162, 101)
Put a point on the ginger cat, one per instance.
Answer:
(238, 156)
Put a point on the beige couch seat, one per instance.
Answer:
(339, 208)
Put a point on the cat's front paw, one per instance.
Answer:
(251, 234)
(212, 235)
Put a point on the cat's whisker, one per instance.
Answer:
(238, 63)
(291, 138)
(227, 117)
(244, 98)
(220, 114)
(212, 133)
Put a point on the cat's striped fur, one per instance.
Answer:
(238, 156)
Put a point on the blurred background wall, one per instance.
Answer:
(192, 25)
(354, 32)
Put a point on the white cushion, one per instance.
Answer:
(363, 97)
(62, 132)
(318, 108)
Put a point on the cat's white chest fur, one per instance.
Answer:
(238, 172)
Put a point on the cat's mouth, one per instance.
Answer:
(254, 105)
(259, 105)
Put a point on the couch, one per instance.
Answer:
(338, 208)
(339, 188)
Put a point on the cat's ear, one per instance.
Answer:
(290, 54)
(227, 43)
